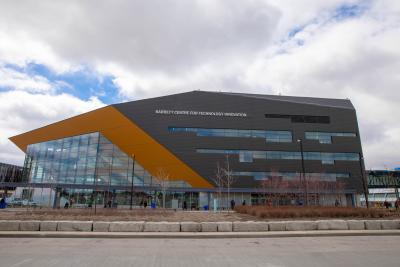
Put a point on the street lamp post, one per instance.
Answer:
(95, 195)
(133, 177)
(95, 177)
(300, 141)
(94, 190)
(365, 185)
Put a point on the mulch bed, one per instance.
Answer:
(241, 213)
(122, 215)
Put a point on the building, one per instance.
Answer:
(275, 149)
(383, 185)
(9, 174)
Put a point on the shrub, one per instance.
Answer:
(312, 212)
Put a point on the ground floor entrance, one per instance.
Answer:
(67, 197)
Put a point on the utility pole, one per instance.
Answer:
(363, 179)
(95, 176)
(300, 141)
(133, 177)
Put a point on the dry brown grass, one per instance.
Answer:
(267, 212)
(121, 215)
(243, 213)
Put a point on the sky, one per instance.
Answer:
(63, 58)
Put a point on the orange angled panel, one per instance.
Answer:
(123, 133)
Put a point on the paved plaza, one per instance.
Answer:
(299, 251)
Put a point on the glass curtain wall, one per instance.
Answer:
(85, 159)
(91, 159)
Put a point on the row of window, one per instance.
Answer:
(270, 135)
(86, 159)
(79, 159)
(10, 173)
(328, 177)
(249, 155)
(326, 138)
(300, 118)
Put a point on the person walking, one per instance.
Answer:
(397, 204)
(232, 204)
(3, 203)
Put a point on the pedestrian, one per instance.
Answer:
(3, 203)
(244, 203)
(386, 204)
(232, 204)
(66, 206)
(337, 203)
(145, 203)
(184, 205)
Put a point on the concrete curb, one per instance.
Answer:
(205, 227)
(195, 235)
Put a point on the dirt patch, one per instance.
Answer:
(248, 213)
(122, 215)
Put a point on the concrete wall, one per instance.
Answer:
(249, 226)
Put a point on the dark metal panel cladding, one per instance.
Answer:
(183, 145)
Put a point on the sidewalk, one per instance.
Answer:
(274, 234)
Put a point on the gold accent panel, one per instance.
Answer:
(122, 132)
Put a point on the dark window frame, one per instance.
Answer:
(300, 118)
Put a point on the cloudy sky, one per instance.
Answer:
(61, 58)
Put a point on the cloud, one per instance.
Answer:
(20, 48)
(169, 38)
(22, 111)
(337, 48)
(356, 58)
(12, 79)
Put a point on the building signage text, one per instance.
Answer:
(200, 113)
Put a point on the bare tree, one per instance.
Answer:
(219, 181)
(228, 178)
(265, 185)
(163, 179)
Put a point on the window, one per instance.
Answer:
(300, 118)
(269, 135)
(326, 138)
(246, 156)
(83, 159)
(260, 176)
(249, 155)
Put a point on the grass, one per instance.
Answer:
(267, 212)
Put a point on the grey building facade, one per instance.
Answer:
(299, 147)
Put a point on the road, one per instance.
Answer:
(298, 251)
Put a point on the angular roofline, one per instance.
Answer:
(340, 103)
(318, 101)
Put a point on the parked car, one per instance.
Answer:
(16, 202)
(29, 203)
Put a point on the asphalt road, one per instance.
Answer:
(298, 251)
